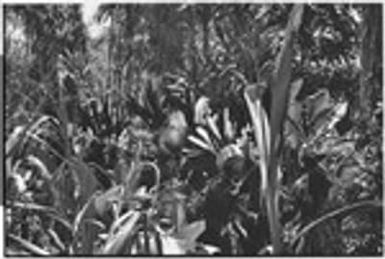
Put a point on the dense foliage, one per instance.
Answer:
(230, 129)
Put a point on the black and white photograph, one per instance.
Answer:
(192, 129)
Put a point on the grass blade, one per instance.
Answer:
(34, 249)
(116, 243)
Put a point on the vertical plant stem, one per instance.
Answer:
(280, 93)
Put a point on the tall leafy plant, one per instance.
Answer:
(270, 143)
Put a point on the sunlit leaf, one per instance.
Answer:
(228, 126)
(204, 135)
(339, 111)
(56, 239)
(117, 242)
(38, 163)
(120, 221)
(200, 143)
(30, 247)
(211, 123)
(172, 246)
(210, 249)
(14, 139)
(201, 110)
(261, 133)
(20, 183)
